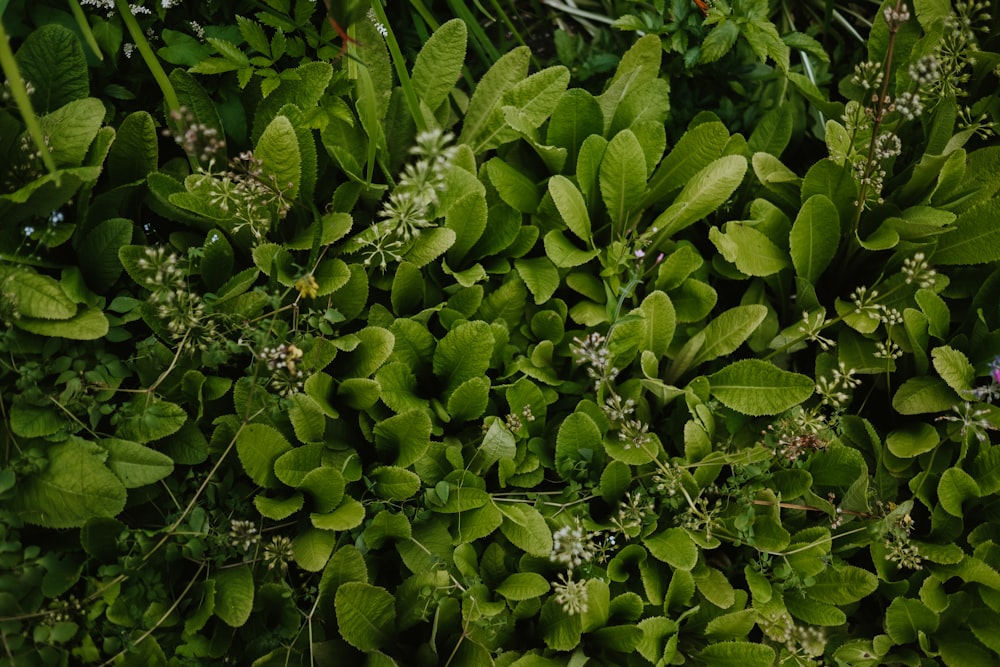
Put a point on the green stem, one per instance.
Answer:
(88, 34)
(141, 43)
(20, 93)
(400, 64)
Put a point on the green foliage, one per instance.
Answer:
(410, 352)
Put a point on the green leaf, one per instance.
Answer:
(374, 348)
(906, 618)
(577, 116)
(293, 466)
(150, 418)
(347, 516)
(136, 465)
(386, 525)
(727, 332)
(259, 446)
(622, 177)
(534, 97)
(36, 296)
(719, 41)
(523, 586)
(563, 253)
(88, 324)
(394, 483)
(135, 152)
(814, 612)
(463, 353)
(366, 615)
(571, 206)
(278, 151)
(98, 252)
(704, 193)
(954, 368)
(280, 508)
(753, 253)
(325, 485)
(484, 106)
(498, 443)
(403, 438)
(560, 631)
(738, 654)
(674, 547)
(513, 186)
(922, 394)
(842, 584)
(71, 129)
(234, 593)
(696, 148)
(540, 275)
(525, 527)
(974, 238)
(954, 488)
(52, 60)
(439, 63)
(912, 440)
(578, 440)
(469, 400)
(73, 488)
(307, 418)
(312, 547)
(755, 387)
(661, 323)
(814, 237)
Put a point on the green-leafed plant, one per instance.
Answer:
(327, 357)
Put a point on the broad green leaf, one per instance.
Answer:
(394, 483)
(912, 440)
(484, 106)
(534, 97)
(463, 353)
(674, 547)
(307, 418)
(52, 60)
(326, 487)
(704, 193)
(36, 296)
(135, 153)
(346, 564)
(696, 148)
(234, 594)
(149, 418)
(954, 488)
(814, 238)
(525, 527)
(88, 324)
(571, 206)
(136, 465)
(954, 368)
(974, 238)
(773, 131)
(815, 612)
(259, 446)
(719, 41)
(292, 466)
(73, 488)
(661, 322)
(906, 618)
(513, 186)
(498, 443)
(753, 253)
(366, 615)
(578, 441)
(278, 151)
(312, 547)
(280, 508)
(560, 631)
(576, 117)
(523, 586)
(467, 218)
(347, 516)
(71, 129)
(842, 584)
(386, 525)
(922, 394)
(302, 86)
(622, 177)
(98, 252)
(469, 400)
(439, 63)
(431, 244)
(727, 332)
(563, 253)
(738, 654)
(732, 625)
(540, 275)
(755, 387)
(374, 348)
(402, 439)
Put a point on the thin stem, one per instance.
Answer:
(141, 43)
(20, 93)
(400, 64)
(88, 34)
